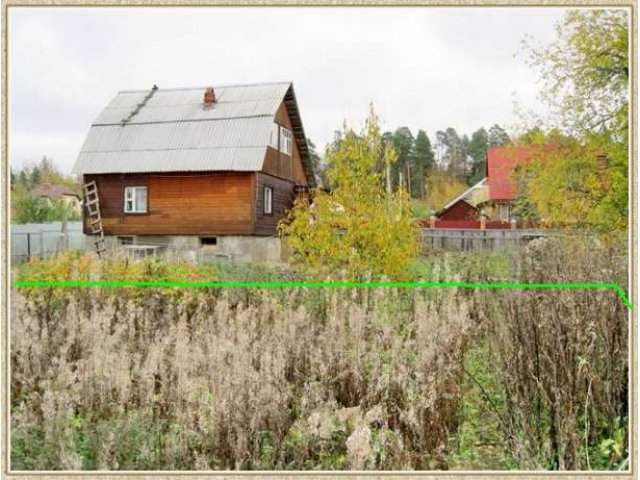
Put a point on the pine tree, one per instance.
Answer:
(36, 176)
(477, 151)
(423, 163)
(454, 155)
(498, 136)
(402, 141)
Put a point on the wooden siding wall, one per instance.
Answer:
(279, 164)
(283, 197)
(460, 210)
(213, 203)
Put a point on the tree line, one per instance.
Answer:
(431, 173)
(29, 207)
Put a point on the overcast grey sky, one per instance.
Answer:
(426, 68)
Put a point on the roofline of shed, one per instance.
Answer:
(452, 204)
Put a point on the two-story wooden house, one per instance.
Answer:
(215, 167)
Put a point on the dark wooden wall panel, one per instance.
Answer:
(214, 203)
(277, 163)
(283, 198)
(460, 210)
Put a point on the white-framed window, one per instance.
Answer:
(268, 200)
(504, 212)
(285, 140)
(126, 240)
(275, 132)
(135, 199)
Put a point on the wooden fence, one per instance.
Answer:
(475, 239)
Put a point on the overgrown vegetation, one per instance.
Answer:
(585, 180)
(562, 360)
(359, 230)
(324, 378)
(441, 189)
(333, 379)
(234, 380)
(29, 207)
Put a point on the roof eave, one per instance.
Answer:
(298, 131)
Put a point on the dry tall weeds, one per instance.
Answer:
(235, 379)
(321, 379)
(561, 358)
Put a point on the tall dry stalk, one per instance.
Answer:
(235, 379)
(562, 359)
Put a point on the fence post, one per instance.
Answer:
(64, 238)
(28, 246)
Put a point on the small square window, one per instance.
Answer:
(125, 240)
(135, 199)
(268, 200)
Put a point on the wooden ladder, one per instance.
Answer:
(94, 220)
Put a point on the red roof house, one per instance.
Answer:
(493, 197)
(54, 192)
(501, 163)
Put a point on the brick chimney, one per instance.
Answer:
(209, 97)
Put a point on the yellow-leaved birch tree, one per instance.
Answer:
(359, 230)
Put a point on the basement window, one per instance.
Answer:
(208, 241)
(125, 240)
(268, 200)
(135, 199)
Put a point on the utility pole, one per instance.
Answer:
(388, 175)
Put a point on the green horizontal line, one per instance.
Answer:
(162, 284)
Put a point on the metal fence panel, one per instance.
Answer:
(44, 239)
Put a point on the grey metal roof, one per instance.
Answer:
(171, 130)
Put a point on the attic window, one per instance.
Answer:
(273, 138)
(285, 140)
(135, 200)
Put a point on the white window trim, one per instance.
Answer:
(274, 136)
(126, 240)
(130, 196)
(286, 140)
(281, 138)
(504, 208)
(268, 200)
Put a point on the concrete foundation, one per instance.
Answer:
(202, 249)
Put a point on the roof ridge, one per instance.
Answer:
(182, 120)
(174, 89)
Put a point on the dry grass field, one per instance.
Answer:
(325, 379)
